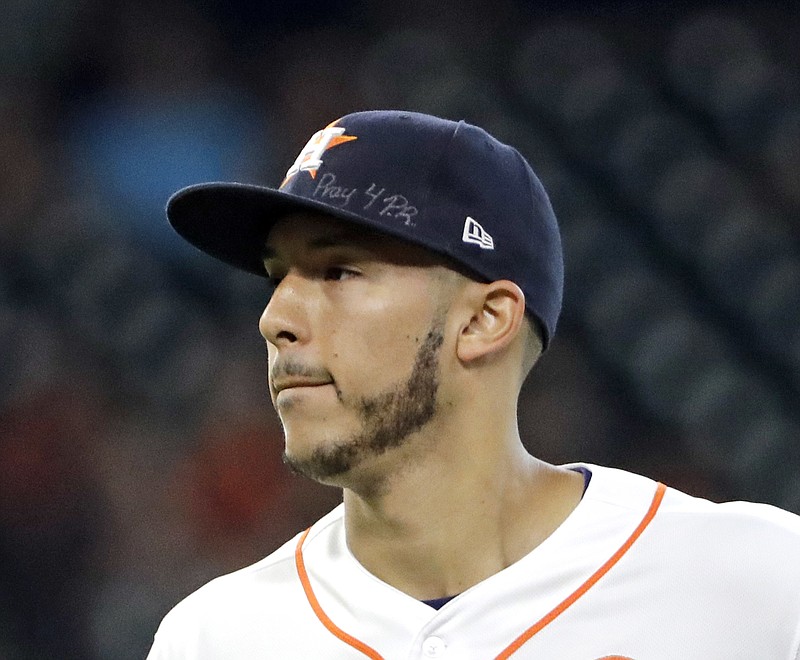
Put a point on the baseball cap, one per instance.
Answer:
(445, 185)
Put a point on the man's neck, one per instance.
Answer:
(448, 523)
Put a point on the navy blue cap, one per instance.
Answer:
(445, 185)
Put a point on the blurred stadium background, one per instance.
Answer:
(139, 456)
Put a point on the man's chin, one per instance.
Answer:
(323, 464)
(346, 468)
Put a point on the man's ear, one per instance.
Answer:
(498, 313)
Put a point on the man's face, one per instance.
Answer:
(353, 329)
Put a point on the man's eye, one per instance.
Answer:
(339, 273)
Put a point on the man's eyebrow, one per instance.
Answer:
(345, 238)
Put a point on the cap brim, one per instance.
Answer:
(231, 221)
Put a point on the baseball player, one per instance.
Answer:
(416, 275)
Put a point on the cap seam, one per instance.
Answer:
(435, 168)
(537, 316)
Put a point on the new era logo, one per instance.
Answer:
(474, 233)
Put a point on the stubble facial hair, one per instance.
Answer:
(388, 418)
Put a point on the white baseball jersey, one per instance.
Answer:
(637, 571)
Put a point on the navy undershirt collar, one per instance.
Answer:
(438, 603)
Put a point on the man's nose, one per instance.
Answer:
(285, 318)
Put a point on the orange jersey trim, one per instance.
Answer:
(519, 641)
(324, 618)
(580, 591)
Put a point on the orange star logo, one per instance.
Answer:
(310, 157)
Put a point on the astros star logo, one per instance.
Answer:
(310, 157)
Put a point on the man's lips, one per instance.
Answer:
(289, 374)
(293, 383)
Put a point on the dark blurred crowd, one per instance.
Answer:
(139, 455)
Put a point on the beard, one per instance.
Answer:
(387, 418)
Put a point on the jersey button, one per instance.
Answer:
(434, 647)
